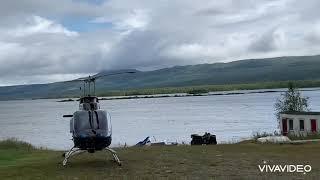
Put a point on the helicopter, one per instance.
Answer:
(91, 126)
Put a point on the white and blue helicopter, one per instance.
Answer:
(90, 126)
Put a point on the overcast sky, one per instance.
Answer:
(55, 40)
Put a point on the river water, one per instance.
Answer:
(171, 119)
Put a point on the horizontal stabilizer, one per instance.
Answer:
(68, 115)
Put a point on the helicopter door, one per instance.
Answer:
(100, 122)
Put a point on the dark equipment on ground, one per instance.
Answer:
(207, 139)
(90, 126)
(144, 142)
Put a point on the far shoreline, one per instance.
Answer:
(217, 93)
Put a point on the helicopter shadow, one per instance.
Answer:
(97, 163)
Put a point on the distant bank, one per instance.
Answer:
(207, 90)
(203, 89)
(200, 93)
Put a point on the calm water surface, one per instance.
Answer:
(230, 117)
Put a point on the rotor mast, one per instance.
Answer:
(89, 86)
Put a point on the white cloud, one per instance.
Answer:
(136, 19)
(36, 42)
(40, 25)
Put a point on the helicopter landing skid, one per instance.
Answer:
(70, 153)
(115, 156)
(74, 151)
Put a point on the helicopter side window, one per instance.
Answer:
(86, 106)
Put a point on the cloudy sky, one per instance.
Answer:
(54, 40)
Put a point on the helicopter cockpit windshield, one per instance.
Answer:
(89, 99)
(89, 103)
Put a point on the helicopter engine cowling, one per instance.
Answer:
(91, 130)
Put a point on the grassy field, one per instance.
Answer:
(230, 161)
(211, 88)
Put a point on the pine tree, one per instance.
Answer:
(291, 101)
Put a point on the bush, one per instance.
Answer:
(197, 91)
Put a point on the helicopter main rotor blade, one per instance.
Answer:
(111, 74)
(93, 78)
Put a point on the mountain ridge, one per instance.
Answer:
(236, 72)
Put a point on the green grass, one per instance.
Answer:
(233, 161)
(211, 88)
(307, 137)
(12, 150)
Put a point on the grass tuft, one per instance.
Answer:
(302, 137)
(14, 143)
